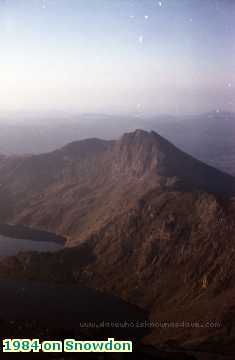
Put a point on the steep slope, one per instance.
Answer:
(78, 189)
(172, 255)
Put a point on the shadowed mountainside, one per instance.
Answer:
(172, 255)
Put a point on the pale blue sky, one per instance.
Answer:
(117, 56)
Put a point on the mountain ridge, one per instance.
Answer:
(77, 189)
(206, 136)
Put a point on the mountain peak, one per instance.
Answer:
(138, 133)
(142, 153)
(140, 136)
(141, 133)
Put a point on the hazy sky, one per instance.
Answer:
(117, 56)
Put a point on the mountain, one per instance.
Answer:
(78, 189)
(144, 221)
(40, 133)
(209, 137)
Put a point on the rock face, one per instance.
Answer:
(77, 190)
(158, 226)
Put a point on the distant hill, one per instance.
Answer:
(36, 135)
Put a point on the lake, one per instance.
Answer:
(62, 307)
(11, 246)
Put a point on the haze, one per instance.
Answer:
(117, 56)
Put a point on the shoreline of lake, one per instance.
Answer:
(22, 232)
